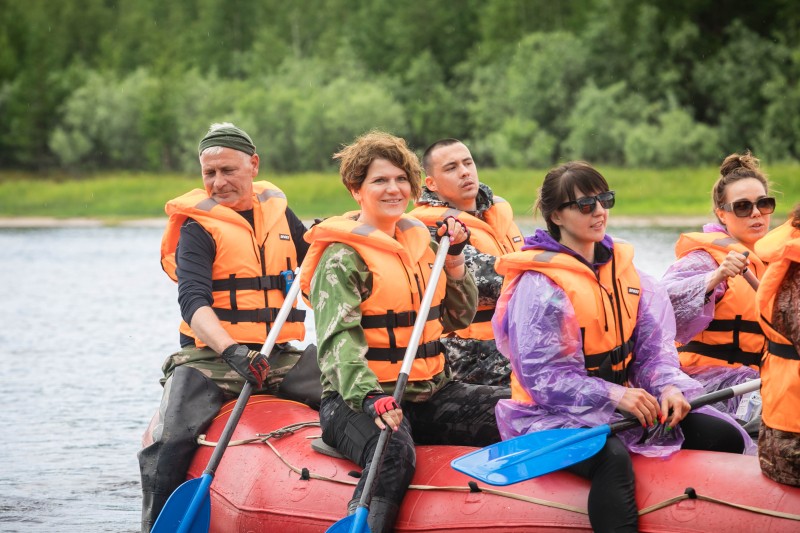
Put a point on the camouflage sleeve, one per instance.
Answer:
(482, 267)
(460, 301)
(340, 283)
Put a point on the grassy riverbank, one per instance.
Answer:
(641, 193)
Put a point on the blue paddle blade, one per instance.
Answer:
(532, 455)
(355, 523)
(179, 508)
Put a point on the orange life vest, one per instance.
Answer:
(733, 337)
(780, 373)
(496, 235)
(247, 285)
(401, 268)
(606, 306)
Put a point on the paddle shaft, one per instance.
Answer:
(748, 276)
(705, 399)
(247, 390)
(236, 414)
(538, 453)
(405, 368)
(216, 457)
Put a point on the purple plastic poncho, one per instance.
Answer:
(685, 282)
(536, 328)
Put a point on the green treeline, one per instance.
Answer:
(89, 85)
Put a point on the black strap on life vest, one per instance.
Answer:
(392, 320)
(483, 316)
(785, 351)
(731, 353)
(602, 364)
(393, 355)
(736, 325)
(249, 284)
(267, 315)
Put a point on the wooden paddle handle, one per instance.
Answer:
(749, 276)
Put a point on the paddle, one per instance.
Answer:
(357, 523)
(535, 454)
(749, 276)
(188, 509)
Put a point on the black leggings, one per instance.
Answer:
(707, 432)
(612, 501)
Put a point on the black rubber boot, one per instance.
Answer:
(152, 503)
(382, 515)
(352, 505)
(188, 405)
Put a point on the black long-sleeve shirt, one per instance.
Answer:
(195, 255)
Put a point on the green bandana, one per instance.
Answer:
(228, 137)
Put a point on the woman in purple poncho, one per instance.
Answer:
(720, 343)
(590, 340)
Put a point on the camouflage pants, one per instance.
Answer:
(477, 361)
(779, 455)
(459, 414)
(282, 358)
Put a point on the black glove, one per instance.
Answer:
(455, 249)
(250, 364)
(376, 405)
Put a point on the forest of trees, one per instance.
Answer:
(92, 85)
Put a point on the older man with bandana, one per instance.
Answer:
(231, 247)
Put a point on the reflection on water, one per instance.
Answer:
(88, 319)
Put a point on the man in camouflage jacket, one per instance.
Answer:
(452, 186)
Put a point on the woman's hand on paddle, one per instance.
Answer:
(456, 230)
(458, 233)
(674, 405)
(393, 418)
(384, 410)
(733, 265)
(640, 404)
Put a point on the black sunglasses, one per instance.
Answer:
(587, 204)
(744, 208)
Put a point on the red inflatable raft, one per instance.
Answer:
(275, 481)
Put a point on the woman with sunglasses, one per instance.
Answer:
(719, 340)
(590, 340)
(779, 314)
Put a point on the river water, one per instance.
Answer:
(87, 319)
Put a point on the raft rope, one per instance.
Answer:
(689, 493)
(262, 437)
